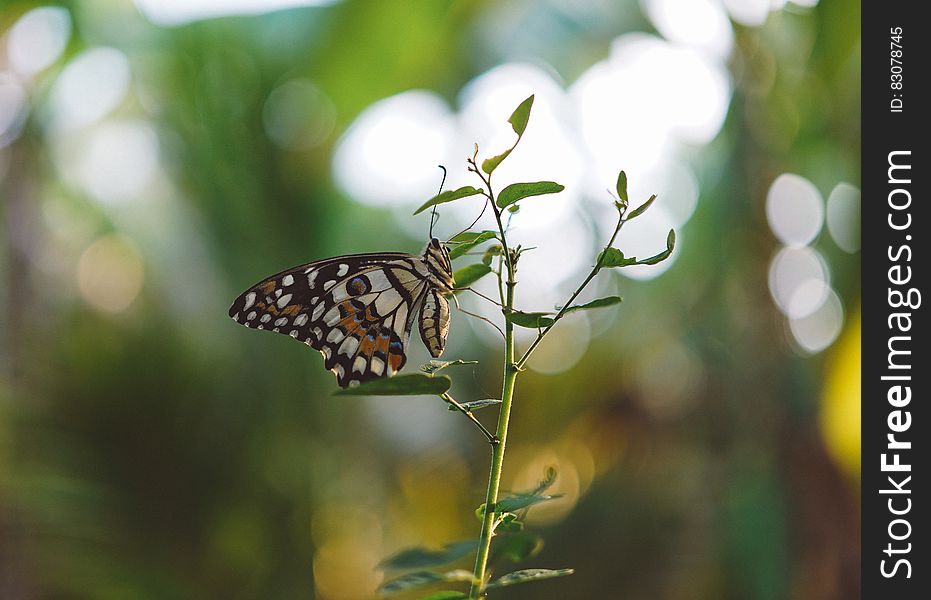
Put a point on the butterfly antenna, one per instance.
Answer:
(472, 224)
(440, 191)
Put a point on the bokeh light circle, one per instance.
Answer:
(798, 281)
(818, 330)
(794, 209)
(390, 152)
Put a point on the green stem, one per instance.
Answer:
(504, 415)
(497, 457)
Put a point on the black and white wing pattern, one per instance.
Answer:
(357, 310)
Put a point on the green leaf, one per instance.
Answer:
(670, 244)
(530, 320)
(418, 579)
(528, 575)
(521, 116)
(433, 365)
(448, 196)
(445, 595)
(642, 208)
(622, 187)
(400, 385)
(549, 478)
(490, 164)
(467, 245)
(491, 253)
(519, 191)
(421, 558)
(476, 404)
(509, 523)
(469, 274)
(516, 547)
(612, 257)
(599, 303)
(466, 236)
(519, 501)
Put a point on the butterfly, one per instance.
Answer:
(357, 310)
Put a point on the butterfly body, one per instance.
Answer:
(357, 310)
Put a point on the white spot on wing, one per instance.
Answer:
(317, 312)
(266, 318)
(251, 316)
(300, 319)
(334, 336)
(250, 300)
(358, 366)
(343, 269)
(377, 365)
(349, 345)
(283, 301)
(311, 277)
(288, 280)
(281, 321)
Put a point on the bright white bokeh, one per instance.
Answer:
(390, 153)
(751, 13)
(818, 330)
(644, 237)
(702, 24)
(843, 217)
(636, 108)
(547, 151)
(114, 162)
(178, 12)
(799, 281)
(90, 86)
(13, 108)
(675, 186)
(795, 210)
(37, 39)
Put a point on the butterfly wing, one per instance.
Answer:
(356, 310)
(434, 322)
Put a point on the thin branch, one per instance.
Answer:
(492, 439)
(536, 342)
(472, 314)
(481, 295)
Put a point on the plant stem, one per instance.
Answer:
(497, 457)
(507, 395)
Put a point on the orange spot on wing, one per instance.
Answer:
(382, 344)
(291, 310)
(367, 347)
(268, 287)
(395, 361)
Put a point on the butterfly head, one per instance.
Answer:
(437, 256)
